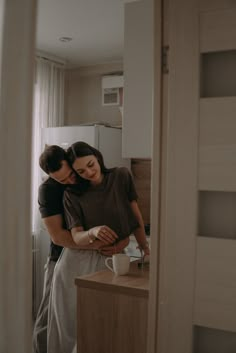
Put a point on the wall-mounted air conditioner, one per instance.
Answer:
(112, 89)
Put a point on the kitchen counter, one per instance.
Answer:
(135, 282)
(112, 311)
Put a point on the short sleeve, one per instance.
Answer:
(72, 211)
(128, 183)
(50, 200)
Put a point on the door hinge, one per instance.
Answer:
(164, 59)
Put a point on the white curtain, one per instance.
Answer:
(48, 110)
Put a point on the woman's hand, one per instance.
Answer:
(144, 248)
(116, 248)
(104, 233)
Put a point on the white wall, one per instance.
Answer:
(83, 96)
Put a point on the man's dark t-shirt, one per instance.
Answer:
(50, 199)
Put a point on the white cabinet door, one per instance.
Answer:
(138, 80)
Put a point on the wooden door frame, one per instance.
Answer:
(17, 43)
(174, 180)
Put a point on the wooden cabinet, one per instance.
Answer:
(138, 80)
(112, 312)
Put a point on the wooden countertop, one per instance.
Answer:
(136, 282)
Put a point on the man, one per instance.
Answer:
(53, 161)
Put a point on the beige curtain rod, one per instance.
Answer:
(50, 59)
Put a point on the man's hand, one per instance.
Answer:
(116, 248)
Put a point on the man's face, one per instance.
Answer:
(65, 175)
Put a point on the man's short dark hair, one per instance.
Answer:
(51, 159)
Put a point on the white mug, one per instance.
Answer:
(119, 263)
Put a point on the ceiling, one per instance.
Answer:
(95, 26)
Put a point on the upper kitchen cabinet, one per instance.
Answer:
(138, 80)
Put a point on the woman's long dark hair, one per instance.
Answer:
(82, 149)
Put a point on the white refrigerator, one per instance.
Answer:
(108, 140)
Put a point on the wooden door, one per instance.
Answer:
(183, 258)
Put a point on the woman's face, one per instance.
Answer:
(88, 168)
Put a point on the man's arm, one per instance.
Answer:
(115, 249)
(59, 235)
(103, 244)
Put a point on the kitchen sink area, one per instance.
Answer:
(132, 249)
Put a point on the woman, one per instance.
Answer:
(62, 304)
(106, 203)
(100, 211)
